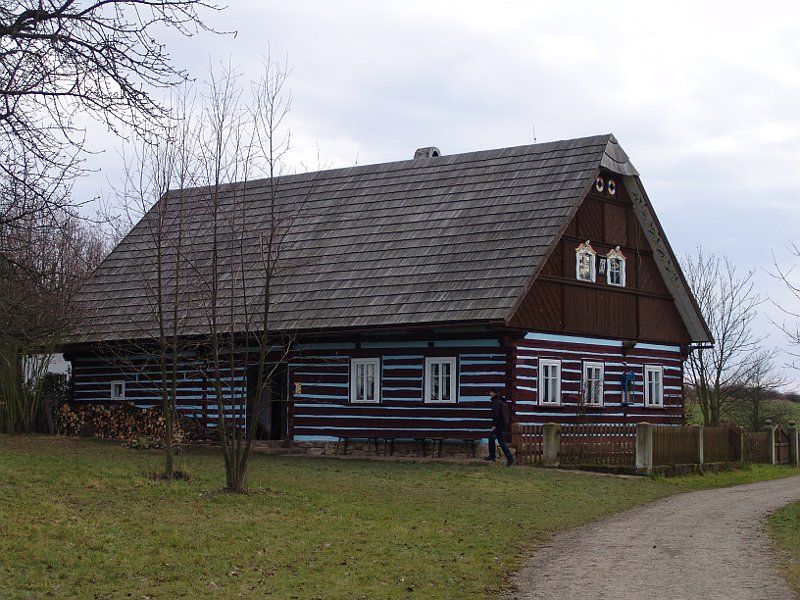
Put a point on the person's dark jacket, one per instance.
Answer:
(501, 416)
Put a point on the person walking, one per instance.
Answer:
(501, 422)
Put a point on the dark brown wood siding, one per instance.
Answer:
(572, 352)
(642, 310)
(320, 390)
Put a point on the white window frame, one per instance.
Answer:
(616, 256)
(585, 249)
(621, 271)
(585, 382)
(453, 363)
(549, 362)
(376, 384)
(122, 385)
(650, 402)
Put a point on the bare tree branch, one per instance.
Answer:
(729, 304)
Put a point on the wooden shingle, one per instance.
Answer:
(424, 241)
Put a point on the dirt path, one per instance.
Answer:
(708, 544)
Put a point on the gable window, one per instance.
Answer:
(549, 381)
(593, 375)
(440, 379)
(585, 257)
(616, 267)
(653, 385)
(365, 380)
(118, 390)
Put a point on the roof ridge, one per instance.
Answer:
(444, 159)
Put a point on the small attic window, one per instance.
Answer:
(585, 258)
(118, 390)
(616, 267)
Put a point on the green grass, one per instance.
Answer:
(785, 529)
(79, 518)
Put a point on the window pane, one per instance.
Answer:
(359, 381)
(545, 384)
(434, 377)
(445, 383)
(584, 266)
(594, 384)
(658, 388)
(370, 383)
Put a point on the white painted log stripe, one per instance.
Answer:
(531, 352)
(394, 417)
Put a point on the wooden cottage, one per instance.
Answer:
(408, 289)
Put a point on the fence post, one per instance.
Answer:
(516, 436)
(644, 447)
(738, 443)
(697, 432)
(551, 444)
(771, 442)
(794, 442)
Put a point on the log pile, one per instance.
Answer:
(125, 422)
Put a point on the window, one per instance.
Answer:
(118, 390)
(440, 380)
(593, 383)
(365, 380)
(585, 262)
(549, 381)
(653, 385)
(616, 267)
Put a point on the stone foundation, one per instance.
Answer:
(449, 449)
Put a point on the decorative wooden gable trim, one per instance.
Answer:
(638, 304)
(667, 263)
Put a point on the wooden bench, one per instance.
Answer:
(343, 441)
(375, 440)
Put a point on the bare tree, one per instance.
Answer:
(758, 400)
(61, 58)
(223, 162)
(157, 176)
(790, 324)
(246, 137)
(729, 305)
(47, 258)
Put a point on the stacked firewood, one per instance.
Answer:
(124, 422)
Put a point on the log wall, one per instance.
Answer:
(321, 409)
(93, 374)
(573, 351)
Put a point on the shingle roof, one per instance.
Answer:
(423, 241)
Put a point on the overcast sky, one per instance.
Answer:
(704, 97)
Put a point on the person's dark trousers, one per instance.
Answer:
(498, 436)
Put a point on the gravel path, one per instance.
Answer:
(708, 544)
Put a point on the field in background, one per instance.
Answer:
(81, 518)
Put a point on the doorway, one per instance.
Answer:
(273, 413)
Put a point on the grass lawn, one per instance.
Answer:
(79, 518)
(785, 530)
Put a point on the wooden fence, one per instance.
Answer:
(673, 445)
(782, 446)
(528, 440)
(721, 444)
(755, 447)
(598, 444)
(644, 446)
